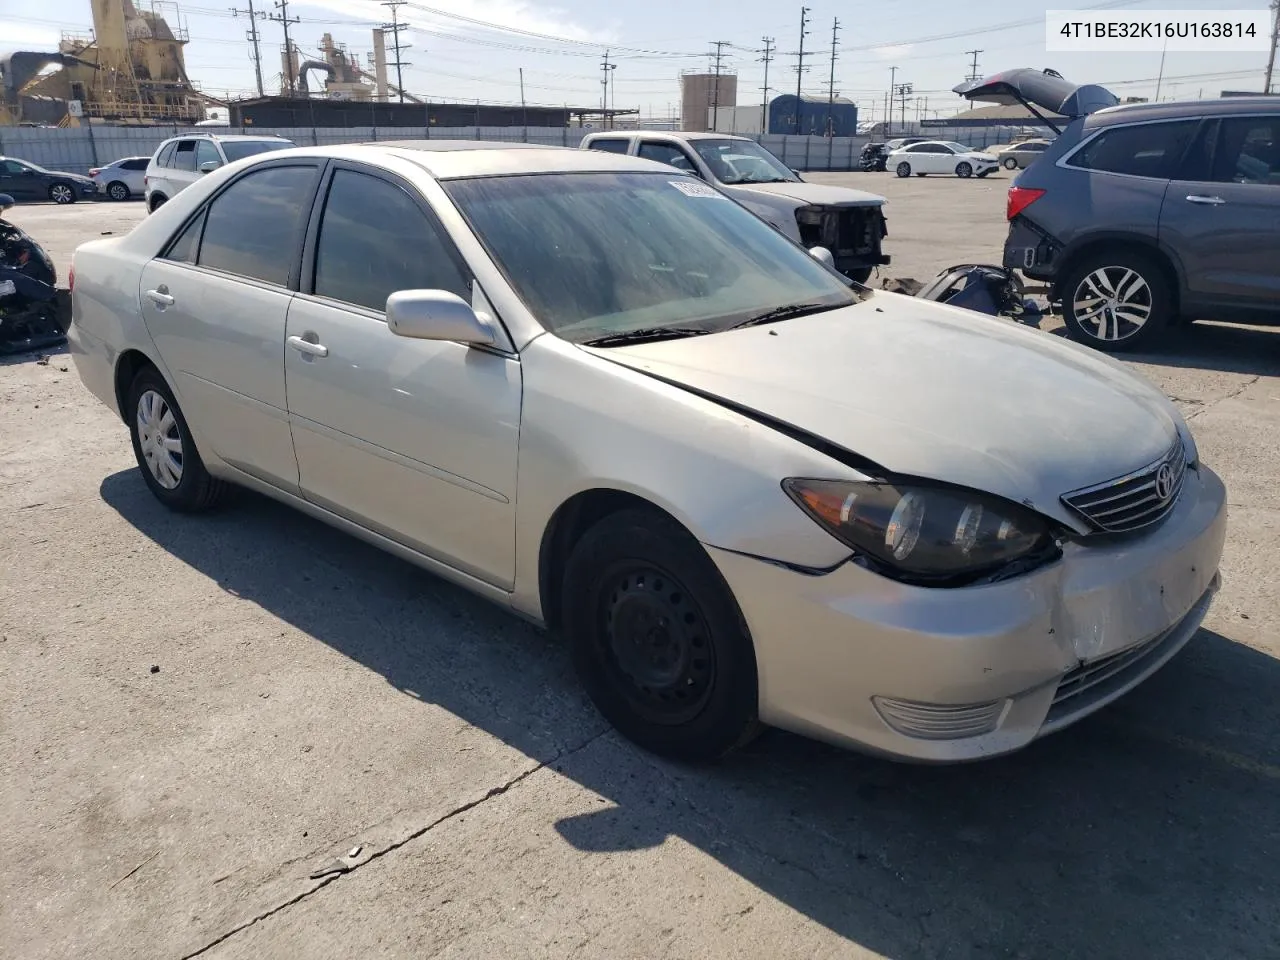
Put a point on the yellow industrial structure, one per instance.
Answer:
(130, 71)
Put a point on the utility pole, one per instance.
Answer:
(973, 70)
(524, 109)
(252, 36)
(607, 68)
(831, 82)
(904, 91)
(715, 88)
(395, 26)
(1275, 41)
(769, 46)
(888, 102)
(283, 18)
(804, 32)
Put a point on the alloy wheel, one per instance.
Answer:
(160, 439)
(61, 193)
(118, 191)
(1112, 303)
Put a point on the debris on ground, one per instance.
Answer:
(155, 668)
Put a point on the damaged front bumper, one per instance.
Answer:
(854, 235)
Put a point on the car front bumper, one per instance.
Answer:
(946, 675)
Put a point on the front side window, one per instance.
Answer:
(11, 167)
(184, 158)
(254, 227)
(239, 149)
(597, 254)
(1248, 151)
(668, 154)
(374, 240)
(610, 146)
(742, 161)
(1144, 150)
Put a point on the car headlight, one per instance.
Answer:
(809, 216)
(925, 534)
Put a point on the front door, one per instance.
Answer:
(1223, 220)
(414, 439)
(20, 181)
(216, 304)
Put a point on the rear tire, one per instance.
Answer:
(117, 191)
(1117, 301)
(1010, 164)
(164, 449)
(157, 201)
(903, 169)
(964, 171)
(657, 638)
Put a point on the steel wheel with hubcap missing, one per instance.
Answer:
(657, 637)
(165, 452)
(61, 193)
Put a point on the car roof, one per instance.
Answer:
(1185, 109)
(201, 135)
(452, 159)
(667, 135)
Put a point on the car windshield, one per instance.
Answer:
(742, 161)
(597, 255)
(239, 149)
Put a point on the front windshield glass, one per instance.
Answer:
(601, 254)
(742, 161)
(239, 149)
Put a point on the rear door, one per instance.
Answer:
(1222, 214)
(20, 181)
(182, 166)
(415, 439)
(215, 304)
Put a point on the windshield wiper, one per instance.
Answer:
(644, 334)
(784, 313)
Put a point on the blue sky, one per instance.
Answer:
(474, 49)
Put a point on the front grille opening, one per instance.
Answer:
(1134, 501)
(848, 232)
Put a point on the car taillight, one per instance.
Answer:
(71, 278)
(145, 180)
(95, 171)
(1019, 199)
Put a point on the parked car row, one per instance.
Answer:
(595, 389)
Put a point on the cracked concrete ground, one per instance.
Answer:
(317, 699)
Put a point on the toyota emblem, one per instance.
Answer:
(1164, 482)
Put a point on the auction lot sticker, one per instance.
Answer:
(691, 188)
(1151, 31)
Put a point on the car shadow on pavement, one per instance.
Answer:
(1252, 351)
(1151, 829)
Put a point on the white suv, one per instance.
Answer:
(180, 161)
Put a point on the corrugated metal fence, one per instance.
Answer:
(76, 150)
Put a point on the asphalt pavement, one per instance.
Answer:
(245, 734)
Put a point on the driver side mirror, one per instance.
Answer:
(797, 173)
(210, 165)
(437, 315)
(823, 255)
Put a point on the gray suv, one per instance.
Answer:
(1142, 215)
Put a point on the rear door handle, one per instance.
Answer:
(160, 297)
(307, 347)
(1212, 201)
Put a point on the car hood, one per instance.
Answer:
(812, 194)
(927, 390)
(1039, 88)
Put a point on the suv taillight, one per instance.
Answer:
(1019, 199)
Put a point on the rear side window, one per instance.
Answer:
(133, 165)
(610, 146)
(1248, 151)
(185, 248)
(184, 158)
(165, 158)
(1145, 150)
(375, 240)
(253, 229)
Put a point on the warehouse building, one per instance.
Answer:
(812, 115)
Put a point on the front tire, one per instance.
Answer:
(162, 445)
(903, 169)
(964, 171)
(117, 191)
(1117, 302)
(61, 193)
(1010, 163)
(157, 201)
(657, 638)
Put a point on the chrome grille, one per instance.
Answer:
(1136, 500)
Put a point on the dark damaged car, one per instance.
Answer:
(1145, 215)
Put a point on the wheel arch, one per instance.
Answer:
(1098, 243)
(128, 365)
(568, 523)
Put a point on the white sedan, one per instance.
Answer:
(122, 179)
(595, 390)
(940, 157)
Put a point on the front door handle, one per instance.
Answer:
(160, 296)
(1212, 201)
(308, 347)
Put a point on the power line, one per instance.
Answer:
(284, 20)
(831, 82)
(769, 47)
(395, 26)
(973, 70)
(804, 23)
(715, 88)
(252, 36)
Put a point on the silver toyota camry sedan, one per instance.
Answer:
(599, 392)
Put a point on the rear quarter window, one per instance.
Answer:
(165, 157)
(1142, 150)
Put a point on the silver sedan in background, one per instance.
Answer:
(599, 392)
